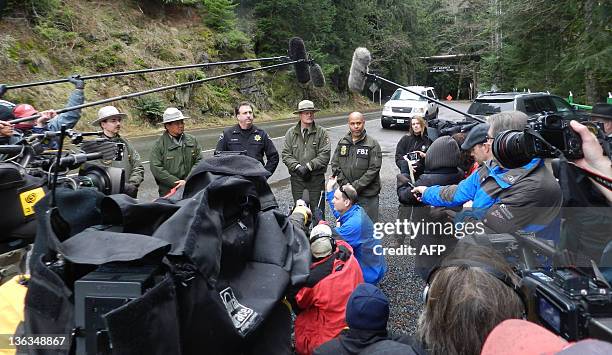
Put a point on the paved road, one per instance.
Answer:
(335, 125)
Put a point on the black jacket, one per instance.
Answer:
(254, 141)
(441, 176)
(354, 341)
(421, 213)
(407, 144)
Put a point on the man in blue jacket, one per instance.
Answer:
(505, 200)
(355, 227)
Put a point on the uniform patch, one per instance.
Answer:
(221, 136)
(362, 152)
(343, 150)
(257, 138)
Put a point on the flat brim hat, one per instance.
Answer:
(107, 112)
(305, 106)
(477, 135)
(602, 111)
(172, 114)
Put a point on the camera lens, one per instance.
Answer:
(511, 149)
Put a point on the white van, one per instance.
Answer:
(404, 105)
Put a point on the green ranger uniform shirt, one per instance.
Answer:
(134, 171)
(311, 150)
(358, 163)
(171, 162)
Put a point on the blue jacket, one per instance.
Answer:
(356, 228)
(526, 198)
(70, 118)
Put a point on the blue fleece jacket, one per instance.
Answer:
(356, 228)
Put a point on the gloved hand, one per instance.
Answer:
(303, 210)
(303, 172)
(130, 190)
(2, 90)
(77, 81)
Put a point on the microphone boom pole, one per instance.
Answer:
(163, 88)
(376, 77)
(150, 70)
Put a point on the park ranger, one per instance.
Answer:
(357, 161)
(110, 119)
(174, 154)
(306, 154)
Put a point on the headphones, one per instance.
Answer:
(466, 264)
(332, 241)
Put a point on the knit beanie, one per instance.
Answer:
(367, 308)
(442, 153)
(320, 243)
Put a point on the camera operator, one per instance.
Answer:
(603, 113)
(506, 200)
(49, 120)
(587, 214)
(320, 304)
(110, 119)
(474, 289)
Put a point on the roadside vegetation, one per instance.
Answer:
(537, 44)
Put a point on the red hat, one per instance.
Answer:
(517, 336)
(24, 110)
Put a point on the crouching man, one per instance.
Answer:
(320, 305)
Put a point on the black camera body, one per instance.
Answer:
(569, 303)
(413, 156)
(556, 131)
(514, 148)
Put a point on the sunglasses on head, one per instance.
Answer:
(344, 192)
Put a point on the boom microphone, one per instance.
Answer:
(316, 75)
(360, 72)
(297, 51)
(359, 69)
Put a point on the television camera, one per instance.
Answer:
(27, 171)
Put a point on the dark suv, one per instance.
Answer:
(531, 103)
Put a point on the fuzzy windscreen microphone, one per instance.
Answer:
(359, 69)
(297, 51)
(316, 75)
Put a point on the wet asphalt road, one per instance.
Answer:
(400, 284)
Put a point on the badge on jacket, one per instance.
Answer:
(257, 138)
(343, 150)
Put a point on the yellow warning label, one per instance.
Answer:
(29, 199)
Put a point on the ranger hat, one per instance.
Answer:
(306, 105)
(602, 111)
(172, 114)
(107, 112)
(478, 134)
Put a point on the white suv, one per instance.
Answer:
(404, 105)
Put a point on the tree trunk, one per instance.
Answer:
(589, 80)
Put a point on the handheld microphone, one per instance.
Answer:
(297, 51)
(316, 76)
(359, 69)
